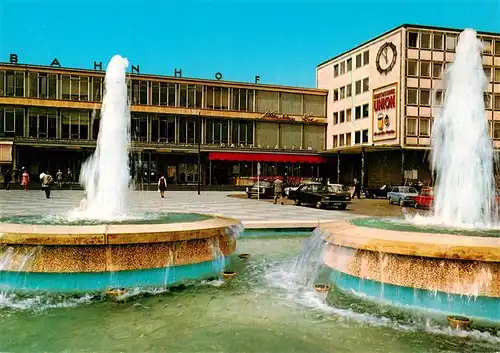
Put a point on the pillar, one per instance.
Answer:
(338, 167)
(402, 167)
(149, 167)
(363, 156)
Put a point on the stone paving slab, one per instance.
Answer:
(253, 213)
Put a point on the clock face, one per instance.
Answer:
(386, 57)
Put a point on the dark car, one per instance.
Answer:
(374, 193)
(265, 189)
(323, 196)
(290, 192)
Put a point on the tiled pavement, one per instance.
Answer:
(18, 202)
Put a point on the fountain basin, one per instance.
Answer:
(446, 273)
(84, 259)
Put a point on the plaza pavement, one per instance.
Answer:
(253, 213)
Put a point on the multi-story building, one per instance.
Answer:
(49, 119)
(384, 95)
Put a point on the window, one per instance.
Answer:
(75, 124)
(335, 70)
(349, 64)
(97, 89)
(341, 140)
(487, 100)
(437, 69)
(496, 130)
(11, 122)
(358, 61)
(411, 127)
(243, 99)
(139, 127)
(366, 57)
(424, 127)
(242, 132)
(335, 118)
(438, 41)
(364, 135)
(42, 123)
(217, 131)
(163, 128)
(450, 42)
(412, 40)
(412, 68)
(348, 139)
(425, 69)
(365, 110)
(425, 40)
(366, 85)
(487, 46)
(188, 130)
(357, 113)
(496, 102)
(425, 97)
(358, 87)
(497, 47)
(164, 94)
(412, 96)
(140, 92)
(342, 68)
(348, 115)
(439, 97)
(357, 137)
(190, 96)
(341, 117)
(487, 72)
(497, 74)
(335, 140)
(348, 90)
(342, 92)
(14, 84)
(335, 94)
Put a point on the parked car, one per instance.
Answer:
(291, 190)
(425, 198)
(374, 193)
(323, 196)
(403, 195)
(265, 189)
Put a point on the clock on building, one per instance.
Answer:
(386, 58)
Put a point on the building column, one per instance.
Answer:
(402, 167)
(149, 167)
(363, 156)
(210, 172)
(338, 167)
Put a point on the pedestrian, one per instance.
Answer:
(25, 179)
(83, 202)
(278, 190)
(7, 178)
(59, 178)
(42, 175)
(357, 189)
(46, 184)
(162, 186)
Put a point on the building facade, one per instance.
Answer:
(384, 95)
(187, 129)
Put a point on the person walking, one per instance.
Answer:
(278, 190)
(162, 186)
(7, 178)
(25, 179)
(59, 178)
(46, 184)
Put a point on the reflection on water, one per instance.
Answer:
(265, 308)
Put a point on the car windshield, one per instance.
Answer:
(407, 189)
(337, 188)
(327, 188)
(263, 184)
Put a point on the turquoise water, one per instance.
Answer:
(263, 309)
(402, 225)
(136, 218)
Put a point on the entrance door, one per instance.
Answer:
(188, 173)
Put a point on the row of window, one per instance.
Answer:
(344, 116)
(360, 86)
(448, 42)
(82, 88)
(435, 69)
(342, 140)
(418, 127)
(427, 97)
(343, 67)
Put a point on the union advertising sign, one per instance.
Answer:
(385, 112)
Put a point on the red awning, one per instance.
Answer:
(265, 157)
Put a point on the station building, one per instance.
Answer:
(49, 120)
(383, 97)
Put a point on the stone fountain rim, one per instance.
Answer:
(113, 234)
(444, 246)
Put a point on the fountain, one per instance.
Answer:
(448, 263)
(103, 247)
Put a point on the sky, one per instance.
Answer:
(281, 41)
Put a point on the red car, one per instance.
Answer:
(425, 198)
